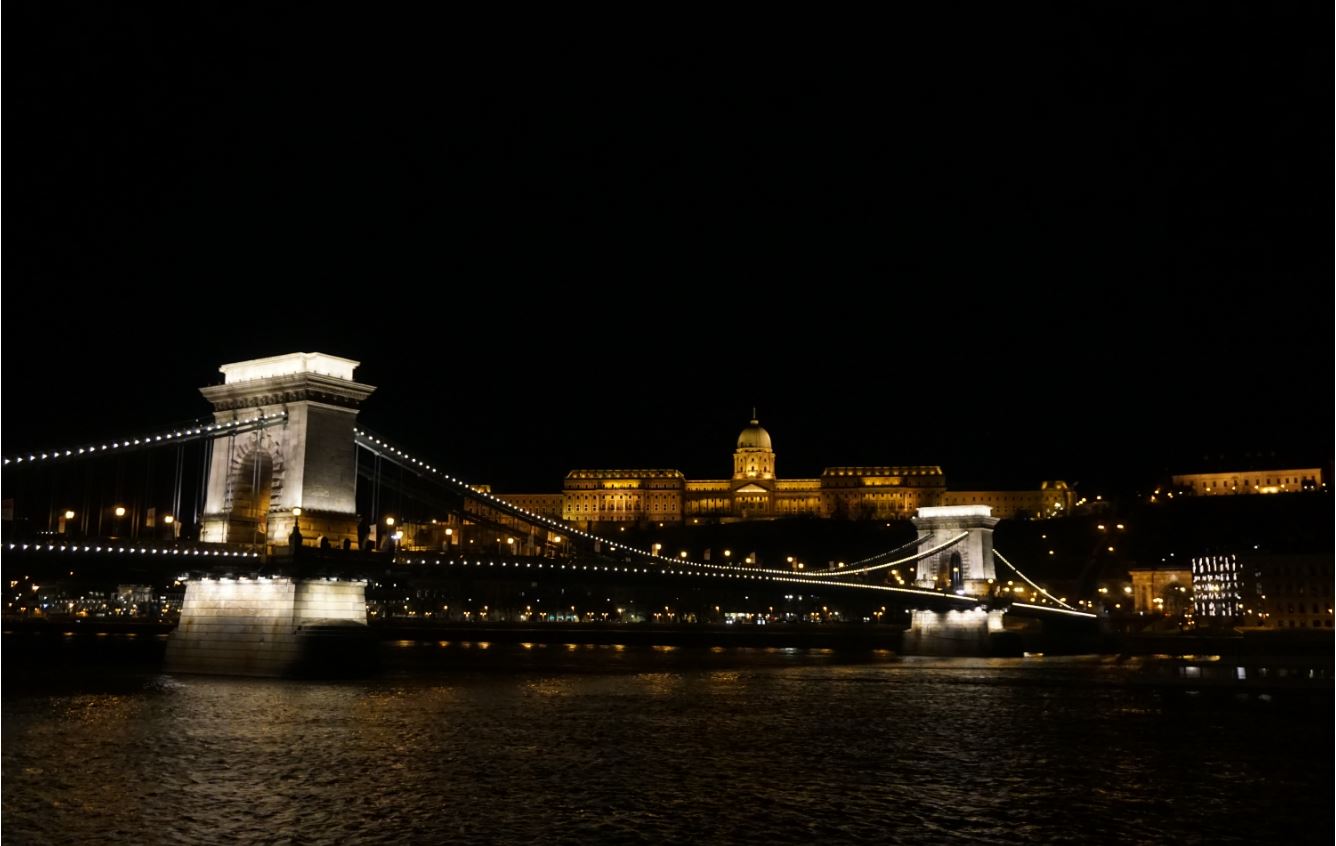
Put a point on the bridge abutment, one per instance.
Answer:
(270, 627)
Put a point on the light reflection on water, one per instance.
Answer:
(598, 744)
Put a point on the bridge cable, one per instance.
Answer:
(1001, 558)
(493, 502)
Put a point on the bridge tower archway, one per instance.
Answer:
(954, 575)
(252, 491)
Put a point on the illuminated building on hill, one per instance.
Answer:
(592, 497)
(1294, 480)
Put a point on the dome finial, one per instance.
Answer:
(753, 415)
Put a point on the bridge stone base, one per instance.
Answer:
(974, 632)
(270, 627)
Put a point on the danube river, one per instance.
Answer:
(469, 743)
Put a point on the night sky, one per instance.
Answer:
(1018, 242)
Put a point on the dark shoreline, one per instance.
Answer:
(1298, 643)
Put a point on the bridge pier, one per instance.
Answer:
(271, 627)
(968, 632)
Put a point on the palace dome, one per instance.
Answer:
(754, 437)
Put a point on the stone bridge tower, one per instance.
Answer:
(966, 566)
(303, 468)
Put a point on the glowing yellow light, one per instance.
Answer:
(69, 515)
(120, 511)
(169, 519)
(389, 521)
(296, 512)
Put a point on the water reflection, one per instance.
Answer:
(605, 744)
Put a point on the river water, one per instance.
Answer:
(601, 744)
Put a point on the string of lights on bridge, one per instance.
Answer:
(670, 566)
(1000, 557)
(524, 513)
(234, 425)
(699, 568)
(148, 440)
(132, 550)
(814, 578)
(671, 571)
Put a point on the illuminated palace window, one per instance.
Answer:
(1215, 584)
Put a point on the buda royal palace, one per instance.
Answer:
(594, 498)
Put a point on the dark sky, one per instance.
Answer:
(1021, 243)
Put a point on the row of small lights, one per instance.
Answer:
(671, 572)
(1063, 610)
(206, 578)
(879, 555)
(910, 560)
(50, 547)
(1003, 559)
(502, 505)
(147, 439)
(806, 578)
(746, 572)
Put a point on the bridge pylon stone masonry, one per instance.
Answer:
(265, 626)
(965, 568)
(302, 469)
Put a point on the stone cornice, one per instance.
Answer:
(297, 387)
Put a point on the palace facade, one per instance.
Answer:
(593, 498)
(1293, 480)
